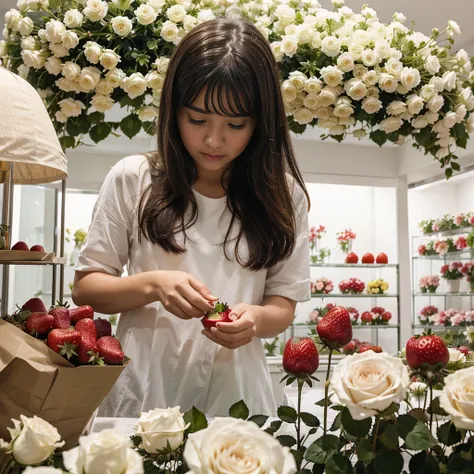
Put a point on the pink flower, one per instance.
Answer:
(458, 319)
(422, 249)
(319, 285)
(456, 265)
(444, 269)
(459, 219)
(435, 227)
(471, 220)
(439, 319)
(461, 243)
(441, 247)
(314, 315)
(429, 311)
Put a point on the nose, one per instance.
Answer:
(214, 138)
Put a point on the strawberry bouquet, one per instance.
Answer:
(351, 286)
(354, 314)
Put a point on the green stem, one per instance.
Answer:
(376, 432)
(298, 420)
(431, 406)
(326, 392)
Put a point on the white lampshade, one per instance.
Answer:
(27, 135)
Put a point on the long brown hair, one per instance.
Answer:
(229, 59)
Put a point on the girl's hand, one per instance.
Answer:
(183, 295)
(241, 331)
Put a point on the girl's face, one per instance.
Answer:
(213, 140)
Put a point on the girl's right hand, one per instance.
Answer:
(183, 295)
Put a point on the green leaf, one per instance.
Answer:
(378, 136)
(298, 455)
(336, 424)
(274, 427)
(389, 462)
(259, 420)
(310, 420)
(100, 132)
(67, 142)
(318, 469)
(72, 128)
(393, 408)
(338, 138)
(339, 464)
(424, 462)
(96, 117)
(419, 438)
(150, 128)
(436, 408)
(458, 465)
(286, 440)
(389, 437)
(130, 125)
(448, 434)
(287, 414)
(239, 410)
(356, 428)
(321, 402)
(197, 420)
(322, 449)
(364, 451)
(455, 166)
(448, 173)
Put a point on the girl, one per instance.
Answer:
(220, 209)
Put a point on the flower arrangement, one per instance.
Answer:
(426, 226)
(446, 223)
(322, 286)
(377, 287)
(357, 347)
(452, 317)
(318, 313)
(425, 250)
(452, 271)
(317, 254)
(429, 284)
(345, 239)
(468, 271)
(426, 314)
(377, 316)
(442, 247)
(79, 237)
(461, 243)
(352, 286)
(316, 233)
(354, 314)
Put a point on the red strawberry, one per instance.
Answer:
(300, 357)
(426, 349)
(23, 246)
(88, 349)
(335, 329)
(62, 320)
(35, 305)
(387, 316)
(382, 258)
(220, 314)
(103, 327)
(366, 317)
(110, 350)
(464, 350)
(64, 341)
(350, 348)
(352, 258)
(368, 258)
(81, 312)
(37, 248)
(87, 329)
(39, 323)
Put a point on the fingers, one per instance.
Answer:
(235, 327)
(227, 344)
(233, 336)
(194, 299)
(202, 289)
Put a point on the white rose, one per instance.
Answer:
(400, 17)
(298, 80)
(450, 119)
(343, 108)
(176, 13)
(338, 3)
(331, 46)
(305, 34)
(73, 18)
(461, 112)
(59, 50)
(470, 124)
(442, 153)
(4, 48)
(359, 133)
(388, 83)
(373, 92)
(66, 85)
(445, 142)
(432, 117)
(34, 440)
(169, 31)
(285, 14)
(103, 88)
(356, 50)
(435, 103)
(438, 84)
(60, 117)
(382, 49)
(361, 37)
(53, 65)
(70, 70)
(159, 427)
(92, 52)
(115, 77)
(134, 85)
(54, 31)
(229, 444)
(102, 103)
(323, 112)
(396, 108)
(355, 89)
(457, 398)
(464, 98)
(189, 23)
(145, 14)
(161, 64)
(291, 30)
(70, 39)
(369, 57)
(410, 77)
(303, 115)
(96, 10)
(288, 91)
(449, 78)
(415, 104)
(155, 80)
(440, 129)
(299, 100)
(345, 62)
(109, 59)
(470, 104)
(371, 105)
(462, 57)
(346, 121)
(391, 124)
(427, 92)
(369, 12)
(88, 78)
(328, 123)
(148, 114)
(71, 107)
(369, 383)
(33, 59)
(359, 71)
(26, 43)
(371, 78)
(122, 25)
(12, 17)
(289, 45)
(313, 84)
(432, 64)
(312, 101)
(23, 71)
(332, 75)
(25, 26)
(158, 5)
(205, 15)
(328, 96)
(103, 452)
(420, 122)
(42, 35)
(394, 67)
(454, 27)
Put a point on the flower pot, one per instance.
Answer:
(432, 289)
(452, 286)
(423, 289)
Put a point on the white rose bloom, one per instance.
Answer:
(291, 30)
(328, 123)
(169, 31)
(361, 37)
(34, 59)
(102, 88)
(438, 84)
(67, 86)
(457, 398)
(96, 10)
(298, 80)
(71, 70)
(12, 18)
(368, 383)
(462, 57)
(454, 27)
(102, 452)
(391, 124)
(449, 78)
(88, 78)
(444, 142)
(60, 117)
(359, 71)
(299, 100)
(305, 34)
(410, 77)
(388, 83)
(470, 124)
(355, 89)
(115, 77)
(442, 153)
(435, 103)
(328, 96)
(396, 108)
(420, 122)
(71, 107)
(323, 112)
(54, 31)
(25, 26)
(73, 18)
(427, 92)
(371, 105)
(54, 65)
(432, 64)
(92, 52)
(161, 64)
(231, 445)
(464, 98)
(317, 40)
(205, 15)
(312, 101)
(432, 117)
(369, 13)
(4, 47)
(109, 59)
(418, 388)
(59, 50)
(373, 92)
(176, 13)
(102, 103)
(155, 80)
(42, 35)
(394, 67)
(122, 25)
(158, 5)
(288, 91)
(134, 85)
(359, 133)
(461, 112)
(346, 121)
(145, 14)
(285, 14)
(289, 45)
(338, 3)
(70, 39)
(343, 108)
(189, 23)
(42, 469)
(346, 12)
(415, 104)
(440, 129)
(23, 71)
(148, 114)
(470, 104)
(450, 119)
(26, 43)
(34, 440)
(331, 75)
(331, 46)
(371, 78)
(313, 84)
(345, 62)
(382, 49)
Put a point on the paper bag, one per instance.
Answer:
(34, 380)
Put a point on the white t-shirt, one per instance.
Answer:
(173, 364)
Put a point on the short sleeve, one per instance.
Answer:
(107, 245)
(290, 278)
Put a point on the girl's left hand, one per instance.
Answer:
(241, 331)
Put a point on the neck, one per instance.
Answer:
(209, 184)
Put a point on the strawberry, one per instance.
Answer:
(37, 248)
(81, 312)
(110, 350)
(87, 329)
(35, 305)
(103, 327)
(426, 349)
(220, 314)
(23, 246)
(335, 329)
(464, 350)
(62, 320)
(350, 347)
(364, 347)
(39, 323)
(64, 341)
(366, 317)
(300, 356)
(368, 258)
(382, 259)
(352, 258)
(88, 350)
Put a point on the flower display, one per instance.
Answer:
(352, 285)
(322, 286)
(353, 313)
(426, 313)
(446, 223)
(468, 271)
(452, 271)
(425, 250)
(461, 243)
(377, 287)
(429, 283)
(344, 239)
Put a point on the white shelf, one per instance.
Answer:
(355, 327)
(461, 255)
(357, 295)
(447, 233)
(461, 293)
(354, 265)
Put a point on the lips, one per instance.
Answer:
(213, 157)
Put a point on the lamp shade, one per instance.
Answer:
(27, 135)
